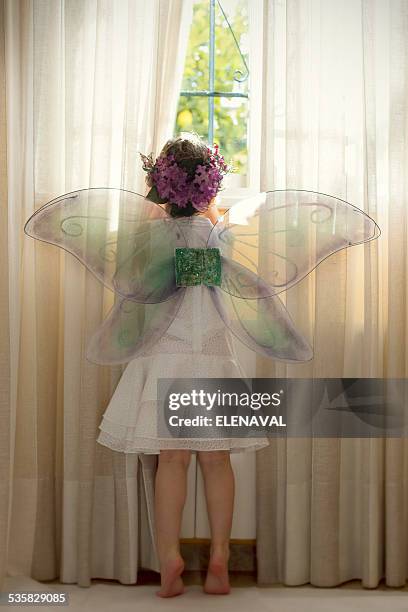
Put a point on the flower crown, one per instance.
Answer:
(174, 182)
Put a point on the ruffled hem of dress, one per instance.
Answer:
(153, 446)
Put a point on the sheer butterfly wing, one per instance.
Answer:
(281, 236)
(131, 328)
(125, 240)
(262, 324)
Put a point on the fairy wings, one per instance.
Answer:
(266, 245)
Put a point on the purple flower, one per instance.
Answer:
(175, 185)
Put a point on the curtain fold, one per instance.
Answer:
(5, 370)
(335, 120)
(86, 86)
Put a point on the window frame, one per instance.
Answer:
(211, 92)
(238, 186)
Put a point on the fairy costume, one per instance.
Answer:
(183, 286)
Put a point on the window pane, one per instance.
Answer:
(230, 69)
(192, 115)
(196, 73)
(230, 130)
(230, 75)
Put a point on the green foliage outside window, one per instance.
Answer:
(230, 113)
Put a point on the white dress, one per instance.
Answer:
(196, 345)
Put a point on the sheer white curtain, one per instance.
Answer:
(334, 119)
(86, 86)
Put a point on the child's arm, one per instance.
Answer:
(212, 212)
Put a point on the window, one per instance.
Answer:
(214, 99)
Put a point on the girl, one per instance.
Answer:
(307, 227)
(196, 345)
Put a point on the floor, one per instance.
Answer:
(105, 595)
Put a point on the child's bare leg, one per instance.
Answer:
(170, 497)
(219, 490)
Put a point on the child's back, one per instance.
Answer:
(197, 344)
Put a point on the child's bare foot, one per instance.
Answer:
(171, 581)
(217, 580)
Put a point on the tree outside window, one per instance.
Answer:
(214, 96)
